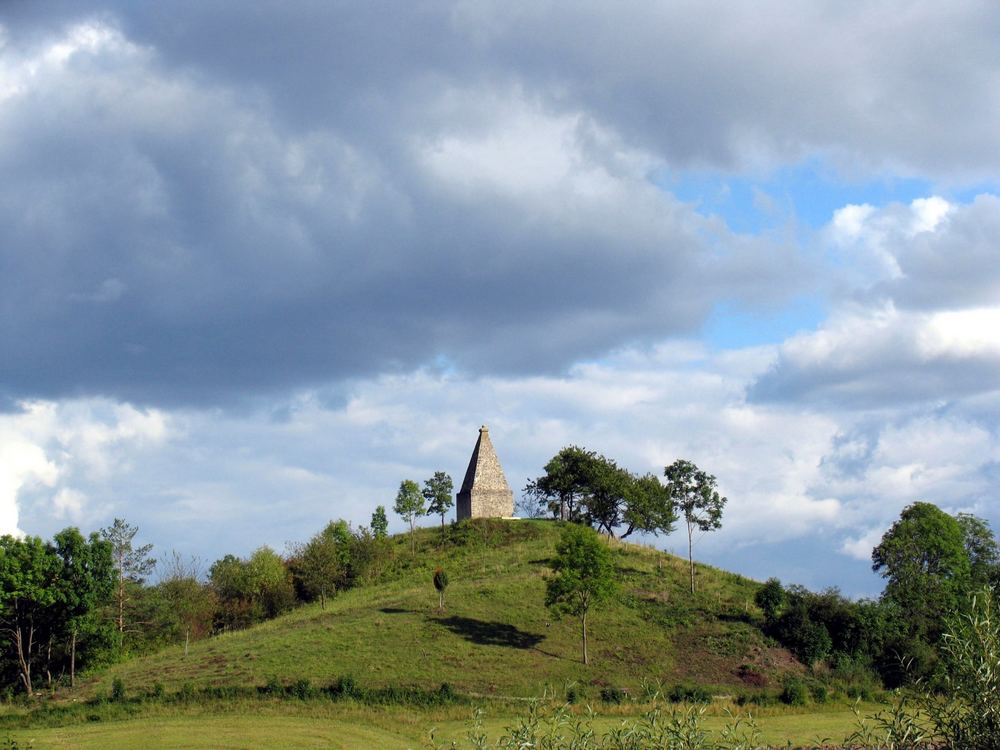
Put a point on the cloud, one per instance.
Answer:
(49, 451)
(921, 322)
(183, 243)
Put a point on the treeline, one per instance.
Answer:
(933, 563)
(76, 602)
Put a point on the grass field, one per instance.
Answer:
(495, 644)
(309, 727)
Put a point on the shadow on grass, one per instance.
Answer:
(395, 611)
(490, 633)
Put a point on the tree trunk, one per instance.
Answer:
(691, 553)
(72, 659)
(48, 663)
(586, 660)
(187, 640)
(24, 657)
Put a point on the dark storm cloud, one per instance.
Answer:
(205, 198)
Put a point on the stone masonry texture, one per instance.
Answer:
(485, 492)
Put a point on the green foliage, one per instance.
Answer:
(981, 547)
(969, 717)
(689, 694)
(584, 576)
(409, 504)
(132, 565)
(440, 579)
(380, 524)
(771, 599)
(794, 693)
(251, 590)
(583, 486)
(117, 691)
(322, 566)
(694, 495)
(924, 560)
(438, 494)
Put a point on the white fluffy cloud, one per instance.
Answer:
(49, 451)
(921, 324)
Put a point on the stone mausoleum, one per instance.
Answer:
(485, 492)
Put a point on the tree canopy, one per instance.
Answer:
(584, 486)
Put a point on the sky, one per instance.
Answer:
(260, 263)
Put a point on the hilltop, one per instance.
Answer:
(495, 636)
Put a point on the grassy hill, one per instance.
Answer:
(495, 636)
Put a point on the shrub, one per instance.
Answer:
(446, 694)
(273, 686)
(818, 692)
(117, 690)
(794, 693)
(344, 687)
(301, 689)
(689, 694)
(612, 695)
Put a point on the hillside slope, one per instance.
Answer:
(495, 636)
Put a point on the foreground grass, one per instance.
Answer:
(318, 725)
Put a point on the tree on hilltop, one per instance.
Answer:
(409, 505)
(438, 494)
(694, 495)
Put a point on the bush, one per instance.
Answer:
(117, 690)
(344, 687)
(794, 694)
(689, 694)
(612, 695)
(572, 694)
(301, 689)
(819, 693)
(273, 686)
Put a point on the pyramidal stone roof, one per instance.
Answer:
(485, 492)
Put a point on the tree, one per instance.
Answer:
(607, 488)
(924, 560)
(409, 505)
(694, 494)
(29, 592)
(440, 584)
(86, 580)
(586, 487)
(323, 564)
(251, 590)
(648, 506)
(438, 494)
(188, 604)
(584, 576)
(380, 524)
(132, 564)
(564, 486)
(981, 547)
(771, 599)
